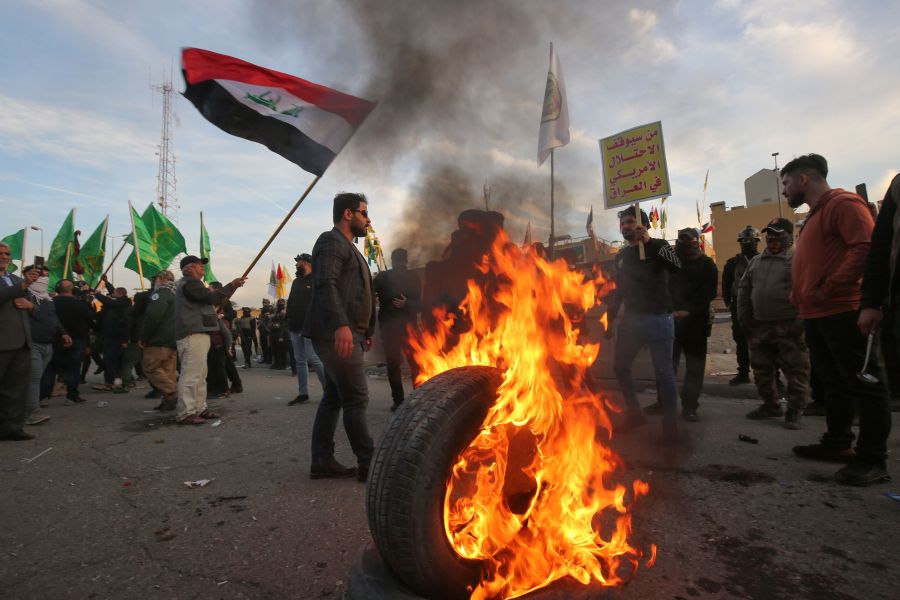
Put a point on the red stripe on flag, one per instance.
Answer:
(203, 65)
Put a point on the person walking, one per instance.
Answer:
(829, 260)
(157, 338)
(340, 323)
(77, 318)
(399, 294)
(297, 306)
(732, 272)
(642, 285)
(195, 320)
(15, 348)
(114, 331)
(246, 326)
(773, 327)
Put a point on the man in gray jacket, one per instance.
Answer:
(340, 322)
(773, 326)
(195, 319)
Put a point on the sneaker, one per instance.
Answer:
(37, 417)
(654, 409)
(739, 379)
(792, 418)
(632, 420)
(690, 415)
(103, 387)
(331, 470)
(71, 401)
(862, 473)
(825, 453)
(766, 411)
(300, 399)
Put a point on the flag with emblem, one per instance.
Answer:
(304, 122)
(60, 259)
(166, 242)
(555, 115)
(93, 251)
(16, 242)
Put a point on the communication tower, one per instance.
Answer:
(166, 198)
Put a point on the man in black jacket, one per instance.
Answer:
(692, 287)
(340, 322)
(297, 307)
(77, 318)
(115, 334)
(748, 239)
(642, 284)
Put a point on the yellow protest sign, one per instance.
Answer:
(634, 165)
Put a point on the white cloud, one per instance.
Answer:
(643, 20)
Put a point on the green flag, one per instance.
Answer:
(93, 251)
(150, 263)
(61, 257)
(204, 251)
(16, 242)
(165, 239)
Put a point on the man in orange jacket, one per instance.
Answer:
(829, 260)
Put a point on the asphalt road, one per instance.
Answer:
(106, 514)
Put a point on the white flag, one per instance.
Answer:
(555, 117)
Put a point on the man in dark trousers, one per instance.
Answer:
(881, 288)
(829, 261)
(115, 334)
(748, 239)
(15, 349)
(77, 317)
(297, 307)
(693, 287)
(340, 322)
(642, 285)
(399, 293)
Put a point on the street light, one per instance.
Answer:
(777, 188)
(41, 229)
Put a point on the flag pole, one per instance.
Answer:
(24, 246)
(105, 228)
(552, 221)
(281, 226)
(137, 244)
(109, 266)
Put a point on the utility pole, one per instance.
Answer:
(487, 196)
(165, 178)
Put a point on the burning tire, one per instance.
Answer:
(409, 473)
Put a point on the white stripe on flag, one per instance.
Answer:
(323, 127)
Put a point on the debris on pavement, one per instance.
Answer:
(893, 496)
(33, 458)
(164, 535)
(102, 403)
(747, 438)
(198, 483)
(216, 423)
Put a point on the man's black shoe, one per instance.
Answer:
(362, 473)
(766, 411)
(862, 473)
(825, 453)
(237, 390)
(331, 470)
(300, 399)
(690, 415)
(18, 436)
(153, 394)
(165, 406)
(739, 379)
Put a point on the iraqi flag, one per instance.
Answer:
(304, 122)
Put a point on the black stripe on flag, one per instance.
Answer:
(227, 113)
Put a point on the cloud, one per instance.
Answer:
(643, 20)
(74, 135)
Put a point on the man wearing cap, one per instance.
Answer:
(399, 293)
(157, 338)
(748, 240)
(246, 326)
(195, 319)
(693, 287)
(828, 264)
(340, 322)
(773, 327)
(297, 306)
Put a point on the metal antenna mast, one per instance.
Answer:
(165, 178)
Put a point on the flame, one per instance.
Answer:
(550, 507)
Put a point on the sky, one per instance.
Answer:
(460, 88)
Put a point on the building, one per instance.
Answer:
(764, 187)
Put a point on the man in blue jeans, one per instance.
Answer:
(340, 322)
(642, 284)
(297, 307)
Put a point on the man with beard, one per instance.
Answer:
(693, 287)
(399, 293)
(828, 264)
(642, 285)
(340, 322)
(773, 327)
(748, 239)
(297, 307)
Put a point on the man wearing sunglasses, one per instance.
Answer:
(341, 322)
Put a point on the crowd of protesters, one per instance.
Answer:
(808, 308)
